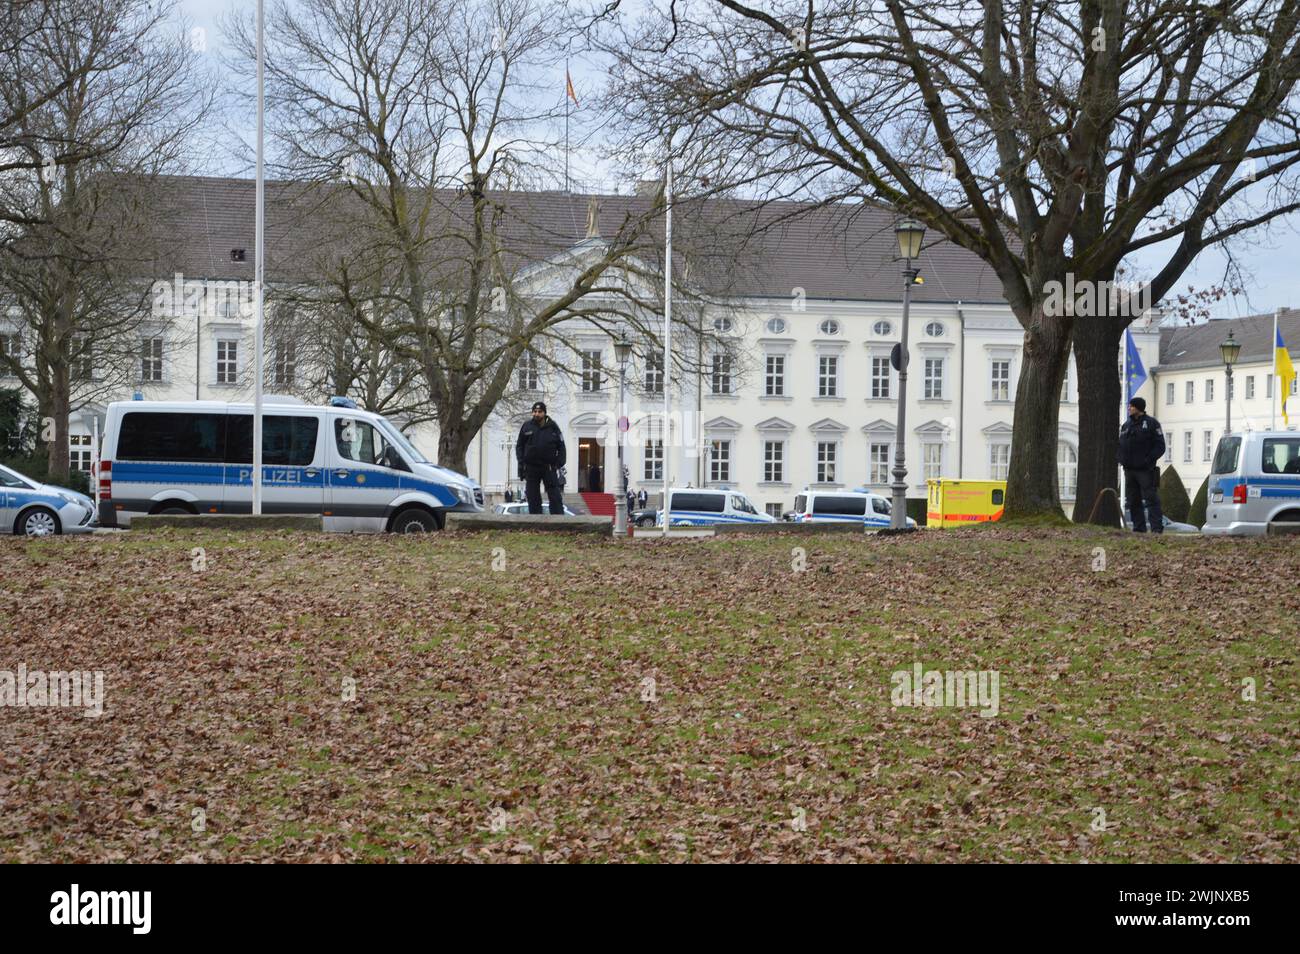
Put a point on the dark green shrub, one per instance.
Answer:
(1196, 516)
(1173, 496)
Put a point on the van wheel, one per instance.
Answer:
(38, 522)
(173, 508)
(413, 520)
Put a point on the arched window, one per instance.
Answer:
(883, 328)
(776, 326)
(934, 329)
(1067, 470)
(829, 327)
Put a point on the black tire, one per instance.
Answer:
(413, 520)
(646, 522)
(173, 508)
(38, 522)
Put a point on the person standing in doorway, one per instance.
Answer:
(541, 456)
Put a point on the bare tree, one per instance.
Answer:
(127, 97)
(1053, 140)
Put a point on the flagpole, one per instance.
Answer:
(1272, 410)
(1123, 414)
(668, 327)
(259, 272)
(567, 83)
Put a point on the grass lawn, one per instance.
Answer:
(504, 708)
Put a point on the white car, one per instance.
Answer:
(514, 509)
(33, 509)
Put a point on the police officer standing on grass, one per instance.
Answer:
(1141, 445)
(540, 453)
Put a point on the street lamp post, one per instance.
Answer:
(909, 233)
(622, 351)
(1229, 349)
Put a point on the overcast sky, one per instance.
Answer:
(1272, 260)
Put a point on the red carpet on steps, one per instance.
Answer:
(601, 505)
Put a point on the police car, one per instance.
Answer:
(354, 468)
(1254, 481)
(33, 509)
(707, 507)
(837, 506)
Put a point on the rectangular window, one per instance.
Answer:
(840, 506)
(1268, 386)
(529, 373)
(880, 379)
(591, 379)
(720, 382)
(1187, 447)
(1189, 392)
(826, 462)
(10, 347)
(1250, 386)
(999, 461)
(1169, 393)
(189, 438)
(654, 460)
(703, 503)
(286, 441)
(773, 461)
(227, 362)
(151, 368)
(879, 463)
(720, 461)
(79, 452)
(654, 373)
(286, 363)
(1207, 445)
(774, 377)
(81, 367)
(1281, 455)
(1209, 390)
(933, 379)
(773, 510)
(932, 461)
(1169, 448)
(1065, 385)
(828, 375)
(1000, 381)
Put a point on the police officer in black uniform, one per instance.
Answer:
(540, 453)
(1141, 445)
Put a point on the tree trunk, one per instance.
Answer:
(453, 447)
(57, 448)
(1031, 480)
(1096, 354)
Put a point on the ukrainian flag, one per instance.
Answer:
(1285, 371)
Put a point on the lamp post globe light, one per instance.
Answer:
(622, 352)
(909, 233)
(1229, 349)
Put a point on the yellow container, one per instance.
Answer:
(959, 503)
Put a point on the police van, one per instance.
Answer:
(856, 506)
(1254, 481)
(707, 507)
(354, 468)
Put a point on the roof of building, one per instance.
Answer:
(1197, 346)
(839, 251)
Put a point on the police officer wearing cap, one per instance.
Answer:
(541, 456)
(1141, 445)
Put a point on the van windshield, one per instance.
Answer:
(398, 438)
(1225, 458)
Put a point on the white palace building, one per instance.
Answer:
(792, 389)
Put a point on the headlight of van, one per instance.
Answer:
(465, 495)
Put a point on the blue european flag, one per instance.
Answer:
(1137, 374)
